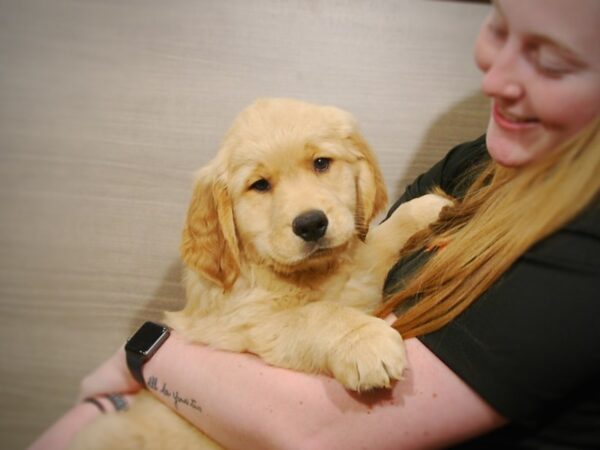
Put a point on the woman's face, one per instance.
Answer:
(541, 66)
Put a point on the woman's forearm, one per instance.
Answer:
(235, 398)
(243, 403)
(60, 434)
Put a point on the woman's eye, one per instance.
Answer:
(261, 185)
(498, 32)
(550, 64)
(498, 28)
(322, 164)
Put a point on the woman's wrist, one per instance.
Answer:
(109, 402)
(165, 355)
(141, 347)
(112, 376)
(127, 378)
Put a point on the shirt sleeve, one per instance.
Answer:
(532, 340)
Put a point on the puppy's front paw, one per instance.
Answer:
(427, 208)
(369, 357)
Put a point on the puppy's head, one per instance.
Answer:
(291, 186)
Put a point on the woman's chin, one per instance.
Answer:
(507, 150)
(505, 153)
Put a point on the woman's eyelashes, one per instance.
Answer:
(498, 30)
(549, 62)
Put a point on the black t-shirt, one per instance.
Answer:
(530, 346)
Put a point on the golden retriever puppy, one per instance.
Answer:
(278, 260)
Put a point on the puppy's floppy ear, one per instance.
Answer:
(371, 191)
(209, 243)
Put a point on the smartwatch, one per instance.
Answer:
(142, 345)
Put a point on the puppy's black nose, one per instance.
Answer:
(310, 225)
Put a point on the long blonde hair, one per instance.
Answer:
(504, 212)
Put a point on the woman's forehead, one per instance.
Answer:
(570, 24)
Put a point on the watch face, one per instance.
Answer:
(147, 339)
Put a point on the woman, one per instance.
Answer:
(502, 292)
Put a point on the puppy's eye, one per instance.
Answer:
(322, 164)
(261, 185)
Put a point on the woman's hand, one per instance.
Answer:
(110, 377)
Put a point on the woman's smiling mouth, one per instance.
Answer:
(510, 121)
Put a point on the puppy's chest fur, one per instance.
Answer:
(226, 319)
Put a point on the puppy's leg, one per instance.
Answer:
(382, 247)
(387, 239)
(147, 425)
(361, 351)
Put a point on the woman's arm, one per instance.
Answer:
(110, 377)
(60, 434)
(244, 403)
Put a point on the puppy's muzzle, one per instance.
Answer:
(311, 225)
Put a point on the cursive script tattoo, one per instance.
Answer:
(175, 396)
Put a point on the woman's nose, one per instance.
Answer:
(502, 78)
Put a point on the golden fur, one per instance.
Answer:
(254, 285)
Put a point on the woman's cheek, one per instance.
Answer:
(569, 108)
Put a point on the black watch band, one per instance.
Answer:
(142, 345)
(135, 364)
